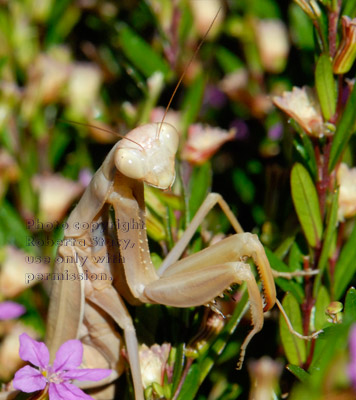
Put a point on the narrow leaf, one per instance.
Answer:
(322, 302)
(306, 204)
(140, 53)
(192, 102)
(294, 347)
(199, 186)
(329, 236)
(350, 305)
(228, 60)
(346, 266)
(344, 130)
(308, 146)
(325, 86)
(298, 372)
(331, 342)
(191, 384)
(286, 284)
(14, 227)
(243, 185)
(178, 366)
(349, 8)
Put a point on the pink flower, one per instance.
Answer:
(10, 310)
(56, 378)
(302, 105)
(203, 142)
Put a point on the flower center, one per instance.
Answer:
(53, 377)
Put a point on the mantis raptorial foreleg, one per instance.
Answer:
(211, 200)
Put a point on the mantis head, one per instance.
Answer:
(149, 154)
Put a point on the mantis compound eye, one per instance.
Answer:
(131, 163)
(169, 137)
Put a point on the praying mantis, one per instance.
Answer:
(80, 309)
(145, 155)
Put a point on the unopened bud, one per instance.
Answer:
(346, 52)
(310, 7)
(334, 312)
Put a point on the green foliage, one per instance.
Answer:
(344, 130)
(306, 204)
(325, 86)
(141, 55)
(294, 347)
(345, 267)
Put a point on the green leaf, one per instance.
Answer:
(178, 366)
(301, 28)
(325, 86)
(344, 130)
(349, 8)
(59, 142)
(306, 203)
(16, 232)
(199, 187)
(284, 248)
(243, 185)
(63, 19)
(332, 341)
(310, 154)
(192, 102)
(350, 305)
(294, 347)
(298, 372)
(296, 258)
(140, 53)
(346, 266)
(264, 9)
(228, 61)
(191, 384)
(286, 284)
(322, 302)
(328, 238)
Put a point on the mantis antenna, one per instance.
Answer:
(100, 129)
(186, 69)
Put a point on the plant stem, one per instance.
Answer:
(333, 20)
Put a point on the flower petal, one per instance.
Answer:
(96, 374)
(66, 391)
(34, 352)
(68, 356)
(351, 369)
(9, 310)
(28, 380)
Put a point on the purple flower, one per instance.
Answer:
(54, 378)
(352, 365)
(275, 132)
(9, 310)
